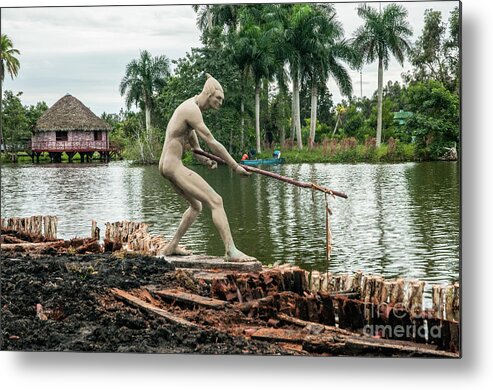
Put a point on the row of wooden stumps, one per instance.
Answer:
(377, 289)
(37, 227)
(40, 232)
(368, 304)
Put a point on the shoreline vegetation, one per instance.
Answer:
(330, 152)
(345, 150)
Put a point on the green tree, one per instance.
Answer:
(382, 34)
(143, 79)
(435, 122)
(33, 113)
(15, 123)
(435, 56)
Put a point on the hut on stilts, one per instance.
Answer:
(70, 127)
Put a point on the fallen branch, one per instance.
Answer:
(191, 299)
(32, 245)
(136, 302)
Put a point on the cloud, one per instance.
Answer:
(84, 50)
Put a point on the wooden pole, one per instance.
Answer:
(285, 179)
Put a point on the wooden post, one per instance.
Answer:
(415, 300)
(397, 295)
(323, 282)
(356, 283)
(456, 302)
(377, 295)
(437, 300)
(95, 230)
(387, 289)
(449, 306)
(315, 282)
(50, 227)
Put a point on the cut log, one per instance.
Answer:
(191, 299)
(136, 302)
(32, 246)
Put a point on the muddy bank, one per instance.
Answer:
(63, 303)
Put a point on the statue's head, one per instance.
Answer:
(214, 92)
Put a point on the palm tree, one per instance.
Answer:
(9, 61)
(382, 34)
(326, 49)
(305, 46)
(7, 57)
(143, 79)
(254, 53)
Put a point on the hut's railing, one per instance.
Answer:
(62, 146)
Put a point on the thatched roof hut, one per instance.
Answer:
(70, 114)
(70, 127)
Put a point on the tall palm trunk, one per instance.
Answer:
(380, 103)
(313, 113)
(296, 113)
(257, 114)
(148, 118)
(209, 17)
(291, 132)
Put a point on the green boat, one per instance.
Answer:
(265, 161)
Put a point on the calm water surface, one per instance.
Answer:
(399, 220)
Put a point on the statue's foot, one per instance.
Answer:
(238, 256)
(176, 251)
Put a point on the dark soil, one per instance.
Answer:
(62, 303)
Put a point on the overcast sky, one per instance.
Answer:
(84, 50)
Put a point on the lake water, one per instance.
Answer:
(399, 219)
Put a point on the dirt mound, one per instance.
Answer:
(62, 303)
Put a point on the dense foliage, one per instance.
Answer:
(18, 121)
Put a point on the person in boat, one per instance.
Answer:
(244, 157)
(185, 126)
(276, 154)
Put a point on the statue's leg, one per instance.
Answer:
(187, 220)
(195, 187)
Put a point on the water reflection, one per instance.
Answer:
(399, 219)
